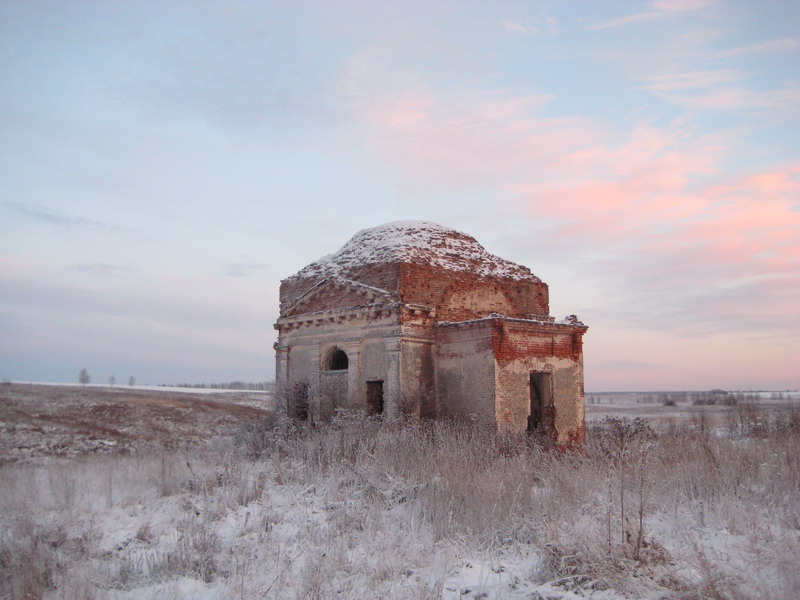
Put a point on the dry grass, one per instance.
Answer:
(40, 421)
(363, 508)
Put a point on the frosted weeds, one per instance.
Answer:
(371, 509)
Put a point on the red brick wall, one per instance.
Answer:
(440, 288)
(512, 341)
(434, 286)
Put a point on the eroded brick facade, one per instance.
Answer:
(429, 323)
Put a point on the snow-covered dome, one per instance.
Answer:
(416, 242)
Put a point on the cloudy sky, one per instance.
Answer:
(166, 164)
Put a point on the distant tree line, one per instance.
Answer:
(711, 397)
(260, 386)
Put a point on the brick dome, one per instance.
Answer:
(415, 242)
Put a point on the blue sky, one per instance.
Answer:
(165, 165)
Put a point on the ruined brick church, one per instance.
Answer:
(416, 317)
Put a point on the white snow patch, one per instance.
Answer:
(146, 387)
(416, 242)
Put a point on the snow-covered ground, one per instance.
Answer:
(364, 509)
(147, 388)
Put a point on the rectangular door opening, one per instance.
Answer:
(540, 400)
(375, 397)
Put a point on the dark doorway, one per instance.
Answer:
(375, 397)
(540, 400)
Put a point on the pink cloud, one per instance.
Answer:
(640, 187)
(690, 80)
(680, 5)
(747, 225)
(653, 209)
(752, 220)
(779, 45)
(520, 27)
(405, 112)
(661, 9)
(721, 255)
(737, 98)
(533, 27)
(628, 19)
(470, 138)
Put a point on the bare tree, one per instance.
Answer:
(83, 377)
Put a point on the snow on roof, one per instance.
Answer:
(419, 242)
(569, 320)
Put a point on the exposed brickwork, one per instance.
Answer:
(513, 340)
(461, 296)
(444, 342)
(457, 296)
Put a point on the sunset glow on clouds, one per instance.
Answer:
(162, 175)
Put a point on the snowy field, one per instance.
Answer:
(687, 407)
(141, 494)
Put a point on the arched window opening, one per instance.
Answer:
(337, 360)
